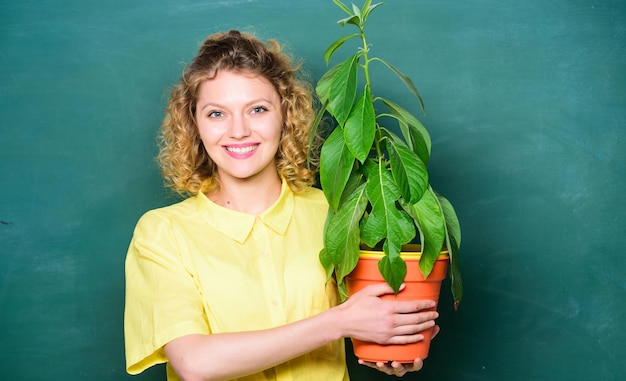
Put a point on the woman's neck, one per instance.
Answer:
(252, 196)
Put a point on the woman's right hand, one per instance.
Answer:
(395, 368)
(368, 317)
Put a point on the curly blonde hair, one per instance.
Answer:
(185, 164)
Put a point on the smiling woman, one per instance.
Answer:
(227, 284)
(185, 164)
(239, 120)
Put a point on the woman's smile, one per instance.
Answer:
(242, 150)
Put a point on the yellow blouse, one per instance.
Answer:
(198, 268)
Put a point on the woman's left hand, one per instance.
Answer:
(396, 368)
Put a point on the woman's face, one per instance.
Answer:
(240, 121)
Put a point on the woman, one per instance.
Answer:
(227, 284)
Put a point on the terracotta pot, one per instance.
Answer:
(366, 273)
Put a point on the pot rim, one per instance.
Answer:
(409, 251)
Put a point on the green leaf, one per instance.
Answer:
(391, 249)
(354, 20)
(367, 9)
(453, 243)
(313, 133)
(419, 133)
(408, 170)
(429, 218)
(422, 152)
(324, 84)
(355, 180)
(393, 270)
(356, 11)
(326, 263)
(342, 6)
(364, 8)
(343, 89)
(336, 45)
(385, 220)
(452, 221)
(360, 127)
(406, 80)
(341, 236)
(415, 140)
(336, 163)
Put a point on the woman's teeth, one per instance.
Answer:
(240, 150)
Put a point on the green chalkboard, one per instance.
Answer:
(526, 102)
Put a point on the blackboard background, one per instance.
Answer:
(526, 103)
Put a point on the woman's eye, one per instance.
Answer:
(258, 110)
(215, 114)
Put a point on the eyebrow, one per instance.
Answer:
(213, 104)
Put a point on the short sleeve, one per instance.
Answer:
(162, 299)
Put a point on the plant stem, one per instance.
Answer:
(366, 71)
(366, 58)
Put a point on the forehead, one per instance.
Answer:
(231, 81)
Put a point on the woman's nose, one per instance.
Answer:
(239, 127)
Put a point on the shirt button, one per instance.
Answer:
(274, 302)
(265, 253)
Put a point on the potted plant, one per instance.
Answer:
(374, 175)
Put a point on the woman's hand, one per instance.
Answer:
(368, 317)
(395, 368)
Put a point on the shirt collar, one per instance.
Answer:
(238, 225)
